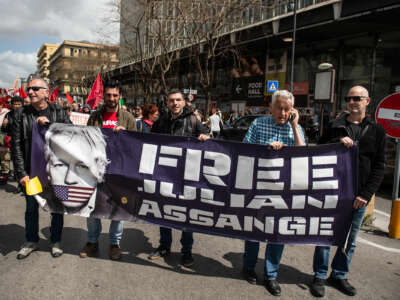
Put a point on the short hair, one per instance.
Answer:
(175, 91)
(112, 85)
(17, 99)
(284, 94)
(149, 109)
(36, 77)
(92, 135)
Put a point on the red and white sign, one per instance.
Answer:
(388, 115)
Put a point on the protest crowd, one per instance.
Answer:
(278, 130)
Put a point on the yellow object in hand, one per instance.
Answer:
(33, 186)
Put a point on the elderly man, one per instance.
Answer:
(352, 128)
(42, 112)
(277, 130)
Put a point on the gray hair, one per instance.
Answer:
(36, 77)
(284, 94)
(90, 135)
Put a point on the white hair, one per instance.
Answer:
(283, 94)
(88, 134)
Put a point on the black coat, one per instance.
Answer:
(371, 152)
(185, 125)
(21, 135)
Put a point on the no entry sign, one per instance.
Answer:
(388, 115)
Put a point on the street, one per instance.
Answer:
(375, 269)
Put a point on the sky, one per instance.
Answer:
(26, 25)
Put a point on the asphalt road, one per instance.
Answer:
(375, 269)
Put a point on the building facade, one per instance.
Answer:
(43, 60)
(74, 66)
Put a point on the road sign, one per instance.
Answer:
(388, 115)
(272, 86)
(190, 97)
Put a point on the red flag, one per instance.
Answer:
(54, 94)
(22, 93)
(69, 98)
(96, 93)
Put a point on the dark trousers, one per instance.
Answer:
(32, 222)
(186, 239)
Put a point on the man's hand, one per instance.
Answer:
(347, 142)
(359, 202)
(5, 122)
(203, 137)
(276, 145)
(23, 180)
(118, 128)
(42, 121)
(295, 121)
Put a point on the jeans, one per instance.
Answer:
(341, 262)
(94, 230)
(32, 222)
(273, 255)
(186, 239)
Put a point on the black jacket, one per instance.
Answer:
(21, 135)
(371, 152)
(185, 125)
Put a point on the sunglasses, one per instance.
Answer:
(355, 98)
(34, 88)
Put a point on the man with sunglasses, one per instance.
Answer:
(43, 113)
(351, 128)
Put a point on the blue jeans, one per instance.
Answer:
(32, 222)
(341, 262)
(186, 239)
(94, 230)
(273, 255)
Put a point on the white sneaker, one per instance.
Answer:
(56, 250)
(26, 249)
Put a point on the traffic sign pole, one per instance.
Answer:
(388, 115)
(394, 226)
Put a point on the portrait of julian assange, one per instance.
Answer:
(76, 163)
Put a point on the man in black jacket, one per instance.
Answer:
(178, 121)
(43, 113)
(349, 129)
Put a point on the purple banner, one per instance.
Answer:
(294, 195)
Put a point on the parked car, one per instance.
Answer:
(238, 130)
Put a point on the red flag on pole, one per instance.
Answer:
(96, 93)
(69, 98)
(22, 93)
(54, 94)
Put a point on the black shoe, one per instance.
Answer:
(17, 190)
(273, 287)
(187, 259)
(317, 288)
(342, 285)
(161, 251)
(250, 275)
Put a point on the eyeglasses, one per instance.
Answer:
(355, 98)
(34, 88)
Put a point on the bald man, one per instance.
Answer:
(351, 128)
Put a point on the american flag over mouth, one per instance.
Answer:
(73, 193)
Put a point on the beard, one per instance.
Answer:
(111, 104)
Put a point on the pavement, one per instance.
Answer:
(375, 270)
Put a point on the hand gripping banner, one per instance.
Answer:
(247, 191)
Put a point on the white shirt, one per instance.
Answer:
(214, 120)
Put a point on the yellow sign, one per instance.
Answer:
(33, 186)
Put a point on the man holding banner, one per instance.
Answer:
(43, 113)
(109, 116)
(278, 130)
(351, 129)
(181, 121)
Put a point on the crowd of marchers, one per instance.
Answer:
(280, 128)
